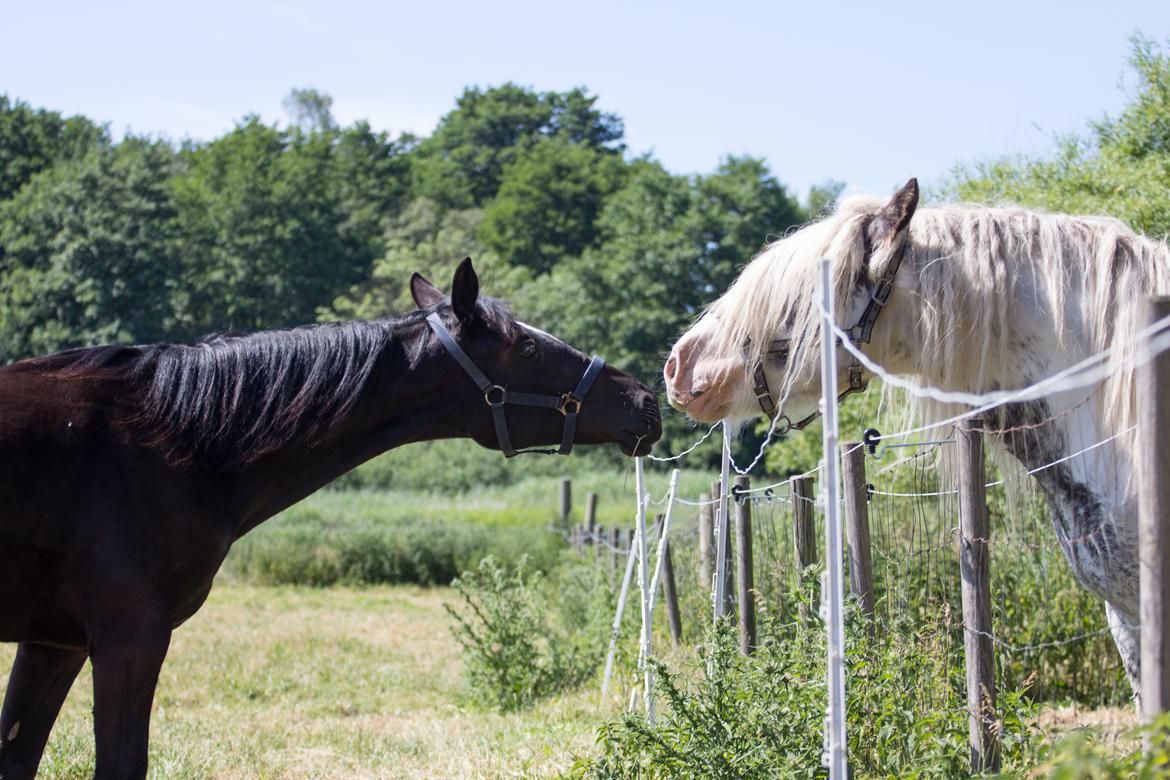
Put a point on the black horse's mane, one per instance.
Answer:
(232, 398)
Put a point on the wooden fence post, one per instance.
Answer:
(727, 562)
(743, 559)
(670, 594)
(802, 521)
(591, 513)
(566, 501)
(857, 524)
(599, 539)
(706, 543)
(1153, 397)
(974, 566)
(615, 543)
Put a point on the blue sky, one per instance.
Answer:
(864, 92)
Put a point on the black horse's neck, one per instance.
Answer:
(282, 478)
(275, 416)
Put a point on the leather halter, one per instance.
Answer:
(496, 396)
(858, 334)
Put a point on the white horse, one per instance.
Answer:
(982, 299)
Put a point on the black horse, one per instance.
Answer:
(127, 472)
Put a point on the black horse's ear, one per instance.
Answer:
(425, 294)
(464, 291)
(895, 215)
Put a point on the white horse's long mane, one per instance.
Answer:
(976, 271)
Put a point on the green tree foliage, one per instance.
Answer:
(271, 226)
(822, 198)
(462, 163)
(32, 140)
(279, 221)
(89, 251)
(426, 239)
(310, 110)
(1121, 167)
(667, 245)
(548, 203)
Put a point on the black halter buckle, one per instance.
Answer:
(881, 293)
(570, 404)
(856, 379)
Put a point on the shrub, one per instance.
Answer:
(763, 716)
(514, 647)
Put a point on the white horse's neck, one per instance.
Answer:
(1089, 494)
(1089, 491)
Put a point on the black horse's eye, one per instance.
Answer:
(527, 348)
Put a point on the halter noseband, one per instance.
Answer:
(858, 334)
(495, 396)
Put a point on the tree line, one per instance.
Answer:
(272, 225)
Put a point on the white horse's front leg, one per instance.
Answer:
(1127, 637)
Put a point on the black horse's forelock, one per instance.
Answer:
(231, 399)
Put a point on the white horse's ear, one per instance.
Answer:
(424, 293)
(893, 217)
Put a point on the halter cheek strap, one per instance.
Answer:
(858, 334)
(496, 396)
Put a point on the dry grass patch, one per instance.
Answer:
(326, 683)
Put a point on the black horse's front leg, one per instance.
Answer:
(126, 655)
(40, 680)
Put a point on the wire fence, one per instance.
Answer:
(1050, 635)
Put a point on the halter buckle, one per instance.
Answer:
(856, 380)
(570, 404)
(487, 396)
(882, 292)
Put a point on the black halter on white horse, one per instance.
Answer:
(495, 396)
(858, 334)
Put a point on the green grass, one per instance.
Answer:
(376, 536)
(285, 681)
(326, 683)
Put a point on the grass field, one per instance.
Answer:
(295, 682)
(366, 681)
(326, 683)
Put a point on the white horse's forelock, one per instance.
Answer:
(967, 272)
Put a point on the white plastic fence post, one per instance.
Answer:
(720, 591)
(617, 618)
(835, 595)
(644, 586)
(670, 493)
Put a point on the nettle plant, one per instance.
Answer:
(727, 716)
